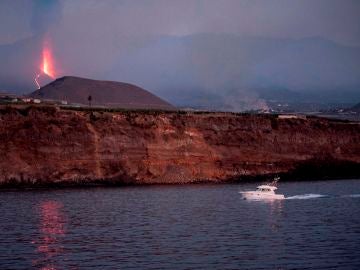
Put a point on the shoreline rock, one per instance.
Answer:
(52, 146)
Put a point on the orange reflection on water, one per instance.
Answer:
(276, 211)
(52, 231)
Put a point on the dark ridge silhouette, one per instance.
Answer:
(103, 93)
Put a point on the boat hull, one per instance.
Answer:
(250, 195)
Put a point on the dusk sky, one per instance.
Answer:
(228, 48)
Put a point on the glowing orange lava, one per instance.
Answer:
(48, 62)
(47, 65)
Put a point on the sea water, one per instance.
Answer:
(317, 226)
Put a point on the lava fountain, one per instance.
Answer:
(47, 64)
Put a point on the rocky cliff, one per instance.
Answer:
(49, 145)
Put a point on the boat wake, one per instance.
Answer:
(352, 196)
(305, 196)
(311, 196)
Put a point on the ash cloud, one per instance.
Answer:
(45, 14)
(21, 58)
(249, 47)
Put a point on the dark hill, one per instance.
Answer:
(103, 93)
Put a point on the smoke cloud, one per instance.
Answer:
(215, 54)
(45, 14)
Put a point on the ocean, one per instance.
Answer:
(201, 226)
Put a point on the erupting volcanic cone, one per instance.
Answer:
(47, 68)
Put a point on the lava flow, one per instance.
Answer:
(47, 65)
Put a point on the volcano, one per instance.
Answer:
(103, 93)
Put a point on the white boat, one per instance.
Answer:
(263, 192)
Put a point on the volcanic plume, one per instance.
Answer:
(47, 68)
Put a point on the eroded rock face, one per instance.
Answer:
(51, 145)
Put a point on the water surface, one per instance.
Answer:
(182, 227)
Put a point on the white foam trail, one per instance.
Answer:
(305, 196)
(352, 196)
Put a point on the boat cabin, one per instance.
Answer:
(265, 188)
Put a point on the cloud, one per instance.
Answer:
(159, 44)
(45, 13)
(14, 20)
(336, 20)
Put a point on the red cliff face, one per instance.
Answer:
(42, 145)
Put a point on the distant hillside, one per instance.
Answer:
(228, 72)
(103, 93)
(209, 71)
